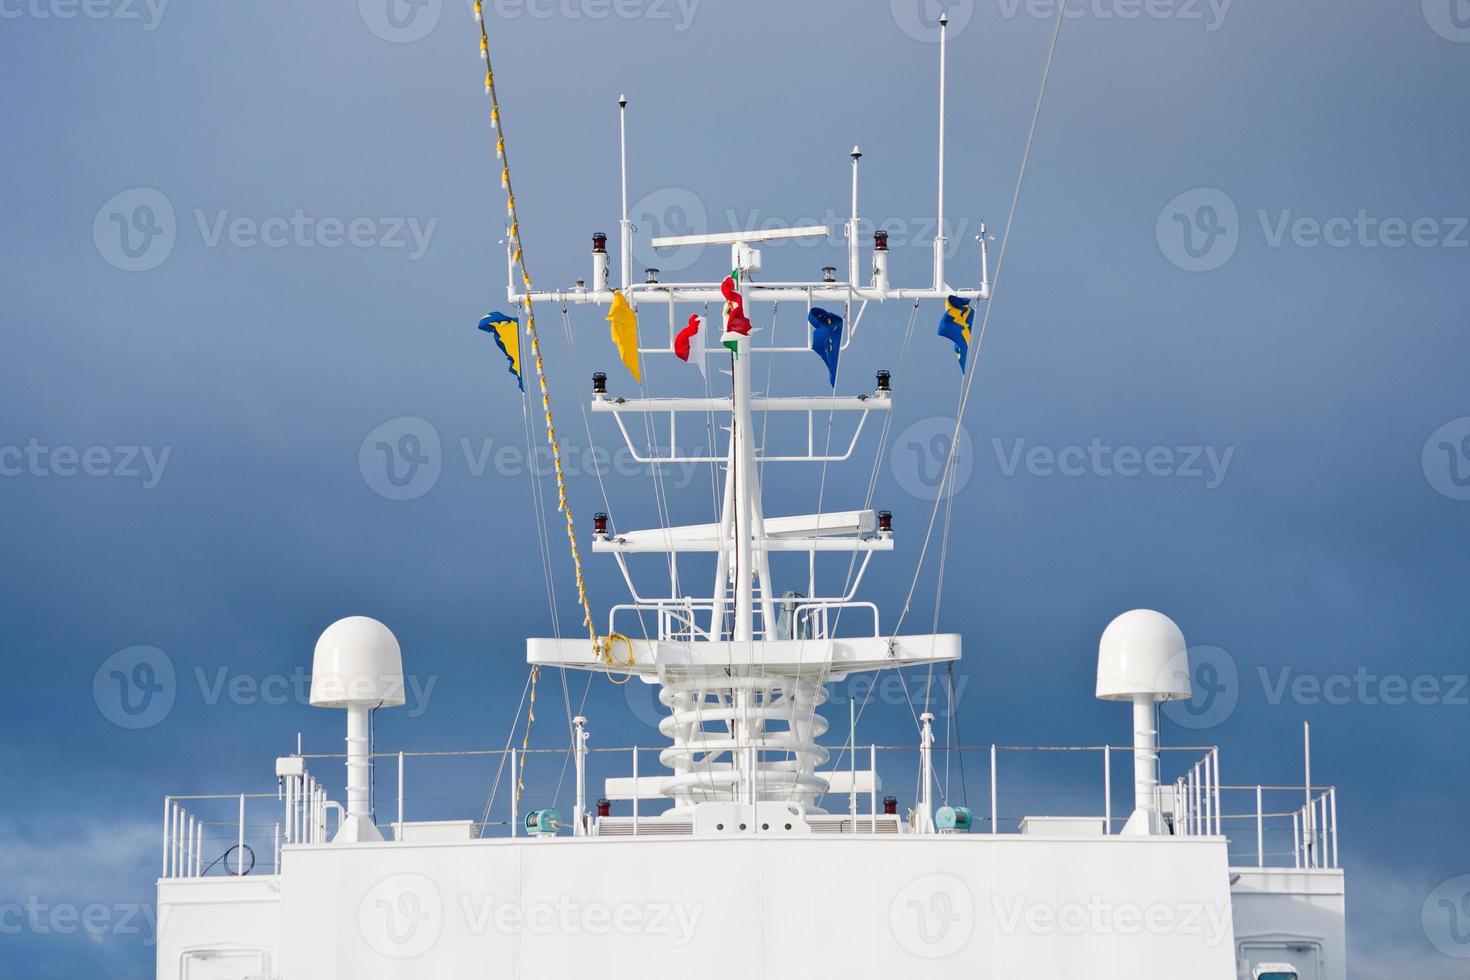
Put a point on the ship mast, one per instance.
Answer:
(744, 686)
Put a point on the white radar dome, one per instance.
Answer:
(1143, 653)
(358, 664)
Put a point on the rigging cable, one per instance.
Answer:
(978, 345)
(504, 756)
(947, 476)
(872, 490)
(513, 236)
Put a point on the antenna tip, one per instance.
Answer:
(944, 20)
(857, 153)
(623, 101)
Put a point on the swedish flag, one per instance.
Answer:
(955, 326)
(507, 333)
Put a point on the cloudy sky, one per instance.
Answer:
(245, 247)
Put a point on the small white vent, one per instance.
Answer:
(827, 825)
(623, 827)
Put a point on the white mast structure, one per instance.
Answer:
(743, 696)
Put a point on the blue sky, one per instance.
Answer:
(1241, 242)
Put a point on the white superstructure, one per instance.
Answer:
(749, 845)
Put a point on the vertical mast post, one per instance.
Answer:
(926, 802)
(722, 561)
(741, 475)
(939, 239)
(854, 227)
(579, 813)
(852, 762)
(1308, 815)
(625, 245)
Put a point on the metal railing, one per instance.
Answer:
(1196, 799)
(202, 846)
(679, 619)
(1316, 831)
(1259, 831)
(195, 847)
(1269, 836)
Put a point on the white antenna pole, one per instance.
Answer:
(626, 243)
(1308, 815)
(926, 753)
(1146, 760)
(851, 759)
(742, 475)
(939, 239)
(854, 227)
(984, 260)
(1307, 741)
(579, 812)
(359, 773)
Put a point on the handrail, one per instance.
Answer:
(184, 836)
(676, 618)
(449, 753)
(1196, 804)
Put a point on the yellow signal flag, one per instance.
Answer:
(624, 322)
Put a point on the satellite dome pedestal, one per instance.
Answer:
(1142, 658)
(358, 666)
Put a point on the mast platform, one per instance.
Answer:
(829, 657)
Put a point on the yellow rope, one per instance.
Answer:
(599, 646)
(607, 657)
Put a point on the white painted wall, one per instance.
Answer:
(977, 906)
(761, 908)
(1296, 917)
(218, 928)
